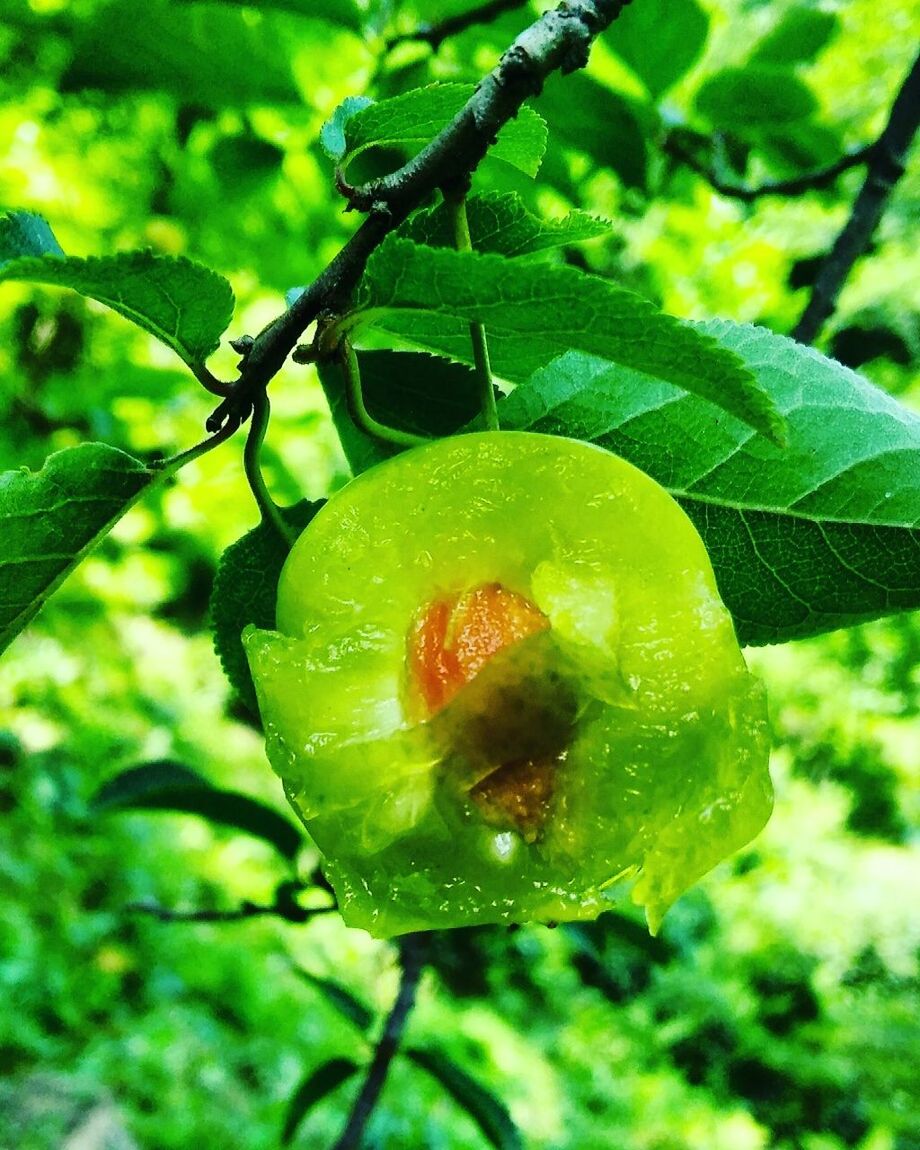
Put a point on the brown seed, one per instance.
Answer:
(517, 796)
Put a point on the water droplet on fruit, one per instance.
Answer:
(504, 845)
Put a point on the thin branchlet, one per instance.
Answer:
(795, 186)
(434, 35)
(285, 906)
(413, 950)
(558, 41)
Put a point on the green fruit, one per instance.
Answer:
(503, 682)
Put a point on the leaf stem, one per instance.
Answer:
(210, 382)
(463, 243)
(271, 513)
(357, 409)
(174, 462)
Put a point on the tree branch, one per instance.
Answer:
(560, 40)
(413, 953)
(886, 166)
(285, 907)
(796, 186)
(435, 34)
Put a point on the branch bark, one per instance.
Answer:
(885, 168)
(560, 40)
(413, 952)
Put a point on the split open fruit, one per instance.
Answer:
(504, 688)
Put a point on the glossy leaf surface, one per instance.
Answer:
(501, 223)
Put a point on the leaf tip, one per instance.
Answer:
(332, 134)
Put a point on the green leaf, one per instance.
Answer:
(352, 1009)
(535, 312)
(755, 97)
(408, 390)
(414, 118)
(822, 535)
(344, 13)
(205, 54)
(169, 786)
(183, 304)
(660, 41)
(26, 234)
(315, 1087)
(587, 116)
(798, 37)
(501, 223)
(245, 589)
(487, 1111)
(418, 392)
(53, 518)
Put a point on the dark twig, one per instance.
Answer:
(885, 168)
(560, 40)
(435, 34)
(795, 186)
(412, 953)
(285, 907)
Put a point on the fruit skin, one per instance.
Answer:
(639, 679)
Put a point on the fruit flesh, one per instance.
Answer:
(423, 787)
(455, 637)
(451, 642)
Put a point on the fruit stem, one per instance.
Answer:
(358, 411)
(271, 513)
(463, 243)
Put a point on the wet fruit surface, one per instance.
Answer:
(503, 688)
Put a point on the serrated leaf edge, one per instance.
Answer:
(23, 267)
(22, 620)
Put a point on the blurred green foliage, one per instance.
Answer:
(778, 1006)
